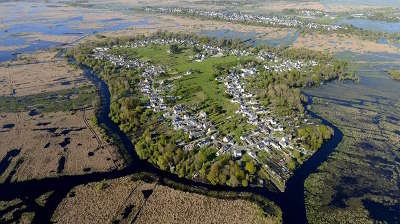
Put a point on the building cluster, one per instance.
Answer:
(367, 15)
(277, 64)
(149, 73)
(288, 65)
(204, 50)
(263, 137)
(196, 125)
(281, 21)
(312, 13)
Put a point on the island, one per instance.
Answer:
(394, 74)
(213, 110)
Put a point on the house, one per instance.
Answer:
(227, 139)
(194, 134)
(276, 146)
(214, 136)
(252, 155)
(284, 142)
(202, 114)
(237, 154)
(204, 143)
(211, 130)
(188, 147)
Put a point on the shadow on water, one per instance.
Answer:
(127, 211)
(61, 164)
(5, 162)
(380, 212)
(8, 126)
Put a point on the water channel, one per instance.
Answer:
(291, 201)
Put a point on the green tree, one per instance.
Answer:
(250, 167)
(174, 49)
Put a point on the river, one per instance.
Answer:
(292, 201)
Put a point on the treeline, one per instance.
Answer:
(281, 90)
(313, 136)
(162, 151)
(127, 106)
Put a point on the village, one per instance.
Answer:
(268, 135)
(278, 21)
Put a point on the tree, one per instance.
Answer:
(245, 183)
(213, 174)
(174, 49)
(200, 158)
(250, 167)
(195, 49)
(233, 181)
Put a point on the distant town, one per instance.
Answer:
(278, 21)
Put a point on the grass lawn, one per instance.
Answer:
(199, 88)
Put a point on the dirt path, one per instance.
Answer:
(87, 124)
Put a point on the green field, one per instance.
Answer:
(199, 88)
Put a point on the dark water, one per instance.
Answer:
(388, 214)
(8, 126)
(61, 164)
(293, 204)
(291, 201)
(33, 46)
(380, 95)
(5, 162)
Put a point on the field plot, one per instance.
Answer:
(50, 144)
(38, 73)
(143, 202)
(46, 107)
(340, 43)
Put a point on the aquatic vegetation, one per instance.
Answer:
(359, 181)
(62, 100)
(394, 74)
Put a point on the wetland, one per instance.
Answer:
(49, 122)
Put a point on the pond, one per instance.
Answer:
(373, 25)
(25, 23)
(381, 3)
